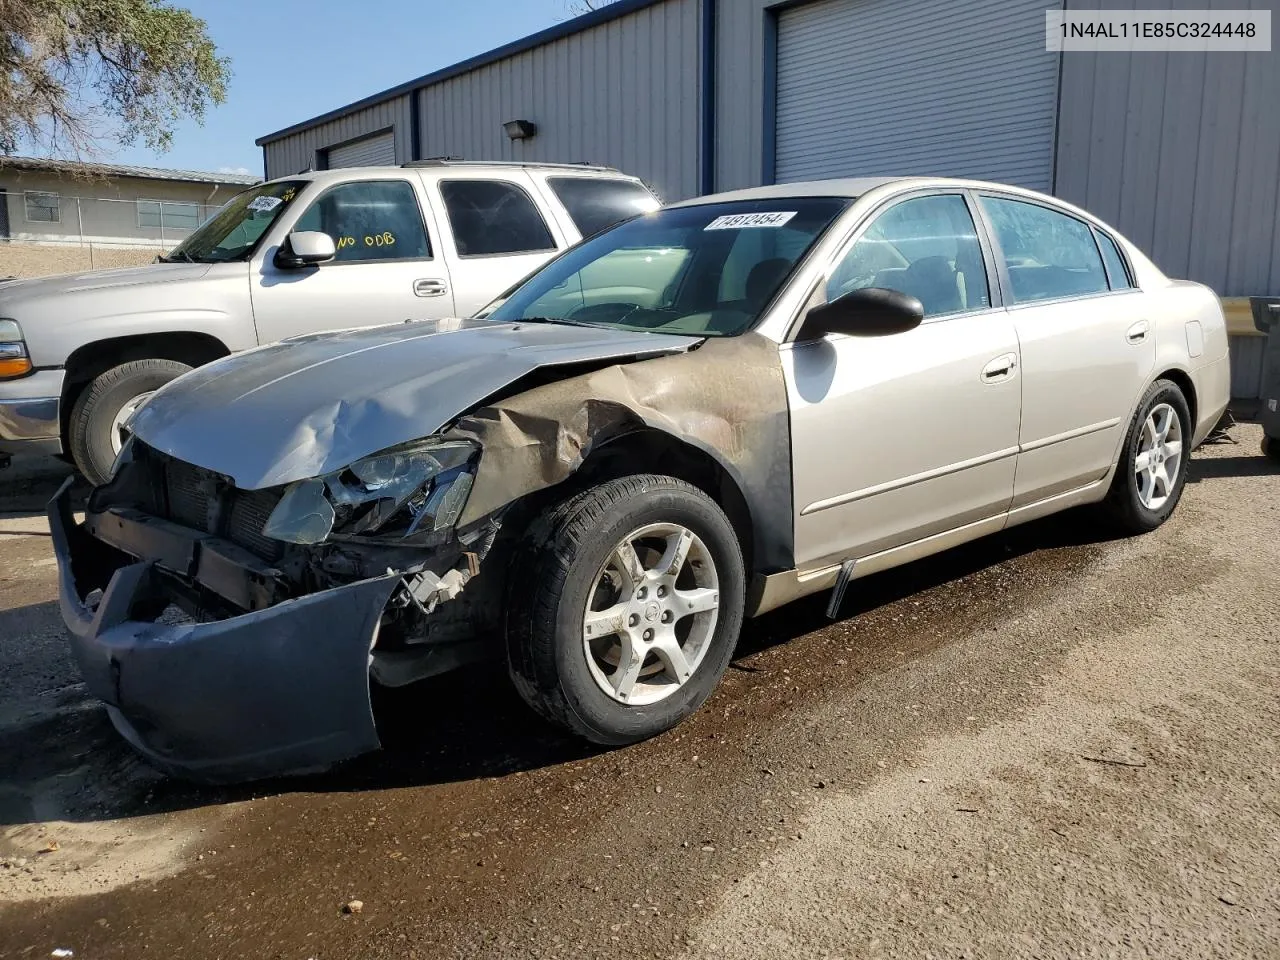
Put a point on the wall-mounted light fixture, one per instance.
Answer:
(520, 129)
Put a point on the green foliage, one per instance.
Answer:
(76, 73)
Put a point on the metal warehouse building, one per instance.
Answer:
(1180, 151)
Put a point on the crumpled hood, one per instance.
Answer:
(306, 407)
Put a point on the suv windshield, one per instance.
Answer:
(234, 231)
(708, 270)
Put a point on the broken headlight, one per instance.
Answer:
(416, 488)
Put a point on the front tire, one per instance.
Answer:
(626, 602)
(93, 434)
(1153, 464)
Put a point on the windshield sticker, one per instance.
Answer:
(264, 204)
(737, 221)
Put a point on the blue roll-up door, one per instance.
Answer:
(889, 87)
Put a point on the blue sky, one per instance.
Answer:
(292, 60)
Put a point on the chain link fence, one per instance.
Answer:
(56, 233)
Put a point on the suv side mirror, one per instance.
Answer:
(869, 312)
(305, 248)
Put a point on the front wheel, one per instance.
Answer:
(1153, 464)
(625, 605)
(95, 432)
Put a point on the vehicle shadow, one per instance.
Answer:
(471, 724)
(1217, 468)
(466, 725)
(28, 484)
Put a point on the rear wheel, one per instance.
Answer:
(626, 604)
(1153, 465)
(95, 432)
(1271, 448)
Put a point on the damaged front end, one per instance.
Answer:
(232, 633)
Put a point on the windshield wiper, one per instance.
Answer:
(178, 256)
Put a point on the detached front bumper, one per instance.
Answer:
(280, 690)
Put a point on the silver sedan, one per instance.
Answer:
(695, 416)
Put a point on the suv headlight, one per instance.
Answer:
(14, 359)
(414, 489)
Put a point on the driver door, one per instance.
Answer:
(902, 437)
(386, 269)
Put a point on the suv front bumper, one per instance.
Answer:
(30, 413)
(279, 690)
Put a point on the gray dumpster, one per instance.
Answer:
(1266, 317)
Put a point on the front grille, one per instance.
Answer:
(246, 518)
(189, 491)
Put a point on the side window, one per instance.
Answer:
(927, 247)
(43, 207)
(1117, 273)
(370, 220)
(1048, 254)
(595, 203)
(494, 217)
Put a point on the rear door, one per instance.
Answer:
(1087, 345)
(898, 438)
(387, 269)
(495, 232)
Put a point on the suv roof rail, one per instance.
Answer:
(460, 162)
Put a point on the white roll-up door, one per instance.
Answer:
(376, 151)
(887, 87)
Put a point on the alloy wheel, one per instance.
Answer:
(1159, 458)
(651, 614)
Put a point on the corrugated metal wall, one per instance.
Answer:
(1181, 152)
(974, 94)
(742, 72)
(297, 151)
(624, 93)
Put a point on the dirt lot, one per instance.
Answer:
(1046, 744)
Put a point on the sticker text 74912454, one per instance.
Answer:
(736, 221)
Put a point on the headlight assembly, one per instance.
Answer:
(394, 495)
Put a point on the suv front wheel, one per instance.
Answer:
(95, 431)
(625, 606)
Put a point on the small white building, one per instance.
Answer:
(58, 201)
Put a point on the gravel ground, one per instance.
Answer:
(1045, 744)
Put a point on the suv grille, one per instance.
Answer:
(189, 491)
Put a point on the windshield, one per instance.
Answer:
(234, 231)
(707, 270)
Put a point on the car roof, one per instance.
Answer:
(444, 165)
(851, 187)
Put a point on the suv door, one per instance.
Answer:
(902, 437)
(1087, 349)
(386, 270)
(496, 233)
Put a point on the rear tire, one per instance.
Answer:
(1271, 448)
(1153, 464)
(660, 641)
(96, 413)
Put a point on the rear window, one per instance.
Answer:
(595, 203)
(493, 218)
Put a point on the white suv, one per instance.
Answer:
(322, 250)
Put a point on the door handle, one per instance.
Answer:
(1138, 332)
(430, 288)
(1001, 368)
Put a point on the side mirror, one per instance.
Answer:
(869, 312)
(305, 248)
